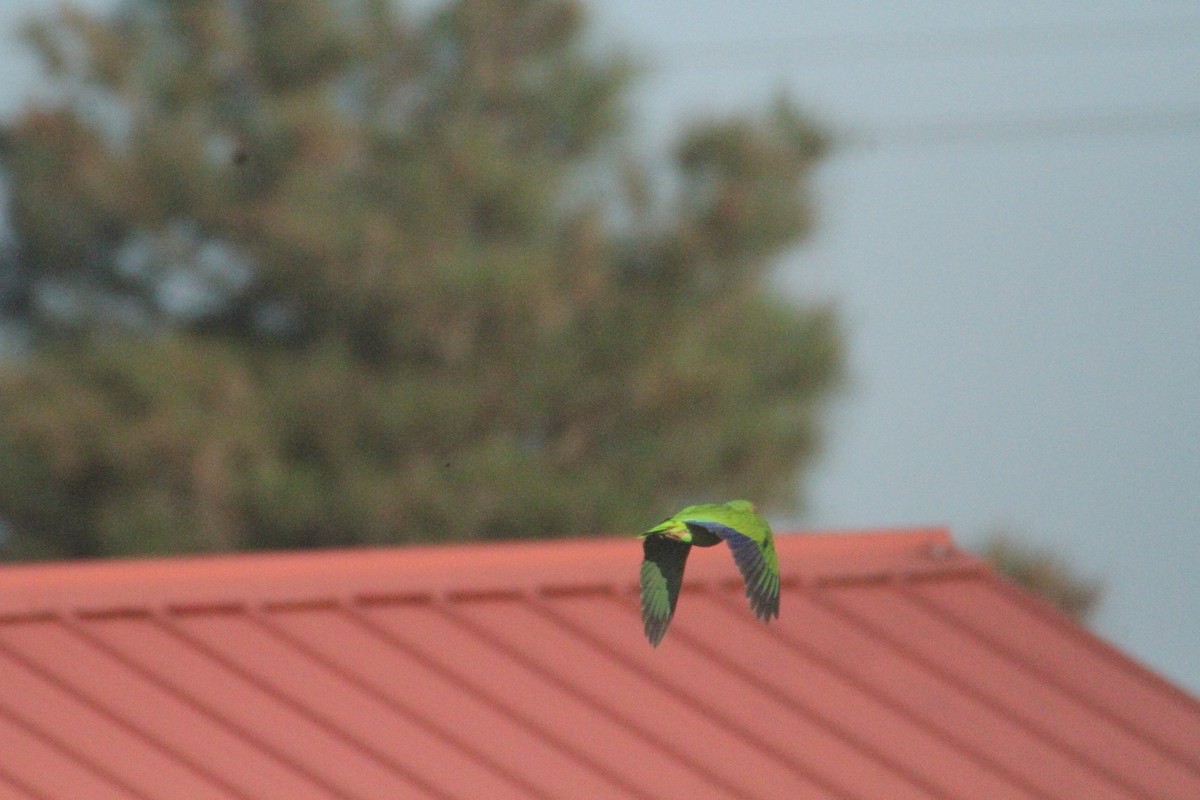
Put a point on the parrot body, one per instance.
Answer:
(666, 547)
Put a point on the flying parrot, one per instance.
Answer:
(666, 547)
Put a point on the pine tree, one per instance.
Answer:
(308, 272)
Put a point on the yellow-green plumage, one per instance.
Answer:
(666, 547)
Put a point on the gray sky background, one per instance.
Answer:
(1012, 232)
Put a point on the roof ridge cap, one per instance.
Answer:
(289, 577)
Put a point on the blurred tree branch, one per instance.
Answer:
(1044, 573)
(300, 273)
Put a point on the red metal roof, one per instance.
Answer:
(900, 668)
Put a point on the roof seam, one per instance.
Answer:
(600, 708)
(29, 616)
(1076, 696)
(333, 729)
(234, 729)
(511, 713)
(722, 720)
(736, 608)
(20, 785)
(97, 769)
(985, 761)
(1033, 729)
(370, 689)
(867, 749)
(1052, 616)
(80, 631)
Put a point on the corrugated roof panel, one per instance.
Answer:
(669, 727)
(1074, 661)
(960, 702)
(900, 668)
(559, 715)
(10, 789)
(710, 673)
(871, 688)
(41, 688)
(1096, 757)
(344, 712)
(280, 751)
(469, 721)
(603, 749)
(124, 701)
(39, 766)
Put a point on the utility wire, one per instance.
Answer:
(1024, 40)
(976, 42)
(1084, 125)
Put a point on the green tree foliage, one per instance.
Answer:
(1044, 573)
(317, 272)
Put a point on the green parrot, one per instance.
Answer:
(666, 547)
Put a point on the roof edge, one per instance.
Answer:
(610, 563)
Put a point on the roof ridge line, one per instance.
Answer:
(252, 579)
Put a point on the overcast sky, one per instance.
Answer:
(1012, 233)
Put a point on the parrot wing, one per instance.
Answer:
(758, 564)
(662, 576)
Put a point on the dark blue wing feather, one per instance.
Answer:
(762, 585)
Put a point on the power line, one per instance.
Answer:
(1084, 125)
(1028, 39)
(948, 43)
